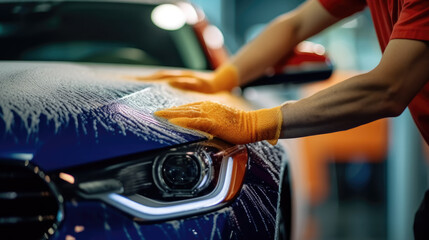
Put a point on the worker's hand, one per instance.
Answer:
(230, 124)
(224, 78)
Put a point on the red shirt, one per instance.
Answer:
(395, 19)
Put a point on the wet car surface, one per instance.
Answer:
(78, 120)
(83, 157)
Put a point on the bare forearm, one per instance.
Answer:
(351, 103)
(279, 39)
(266, 50)
(384, 92)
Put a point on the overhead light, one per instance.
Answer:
(190, 12)
(213, 37)
(168, 17)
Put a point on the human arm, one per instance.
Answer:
(383, 92)
(279, 39)
(275, 43)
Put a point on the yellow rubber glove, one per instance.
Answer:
(230, 124)
(224, 78)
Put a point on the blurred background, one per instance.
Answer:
(365, 183)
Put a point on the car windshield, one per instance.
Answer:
(106, 32)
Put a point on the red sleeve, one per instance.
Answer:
(413, 22)
(343, 8)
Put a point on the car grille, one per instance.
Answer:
(30, 206)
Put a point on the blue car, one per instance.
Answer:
(83, 157)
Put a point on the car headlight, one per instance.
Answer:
(176, 182)
(178, 174)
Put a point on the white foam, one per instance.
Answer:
(64, 94)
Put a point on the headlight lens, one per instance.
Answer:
(182, 174)
(179, 172)
(176, 182)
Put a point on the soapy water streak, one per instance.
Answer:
(256, 200)
(260, 218)
(64, 94)
(270, 158)
(253, 213)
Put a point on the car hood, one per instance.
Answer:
(61, 115)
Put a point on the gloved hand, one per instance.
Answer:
(224, 78)
(230, 124)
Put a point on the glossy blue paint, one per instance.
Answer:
(86, 117)
(73, 148)
(252, 215)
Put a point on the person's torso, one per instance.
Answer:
(385, 15)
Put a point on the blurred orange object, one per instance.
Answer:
(365, 143)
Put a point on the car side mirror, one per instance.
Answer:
(308, 63)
